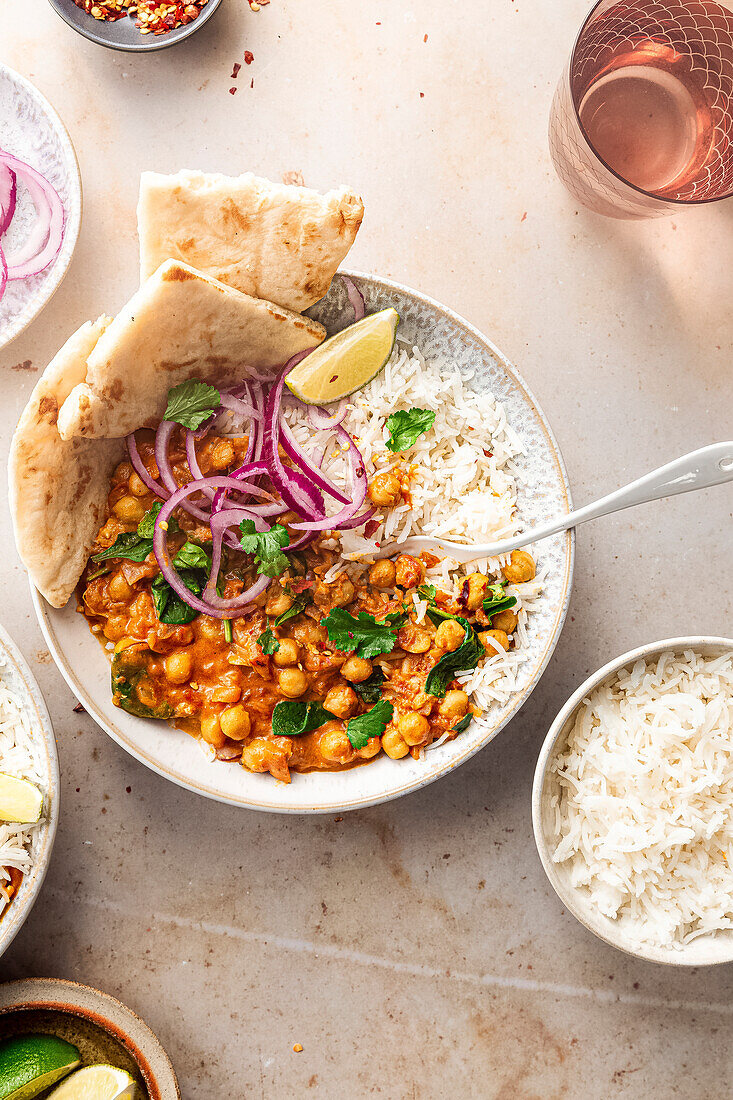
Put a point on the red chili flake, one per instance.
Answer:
(235, 70)
(79, 709)
(422, 95)
(524, 216)
(252, 82)
(129, 790)
(371, 527)
(232, 91)
(425, 38)
(248, 57)
(334, 378)
(300, 586)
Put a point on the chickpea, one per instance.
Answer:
(385, 489)
(454, 705)
(476, 585)
(307, 632)
(129, 510)
(335, 746)
(115, 628)
(372, 747)
(292, 682)
(521, 567)
(409, 572)
(136, 485)
(341, 701)
(342, 592)
(356, 669)
(279, 602)
(498, 636)
(255, 755)
(123, 471)
(394, 745)
(287, 654)
(413, 727)
(413, 639)
(119, 589)
(178, 666)
(506, 621)
(227, 691)
(235, 723)
(209, 628)
(211, 730)
(222, 455)
(449, 635)
(382, 574)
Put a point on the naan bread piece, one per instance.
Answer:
(58, 490)
(179, 325)
(267, 239)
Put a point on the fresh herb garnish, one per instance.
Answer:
(427, 591)
(496, 600)
(191, 403)
(169, 607)
(266, 546)
(370, 690)
(406, 426)
(362, 634)
(191, 556)
(464, 723)
(463, 659)
(127, 677)
(136, 545)
(299, 604)
(371, 724)
(293, 718)
(268, 643)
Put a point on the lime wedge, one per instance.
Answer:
(97, 1083)
(347, 361)
(29, 1064)
(19, 800)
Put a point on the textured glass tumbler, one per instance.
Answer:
(642, 120)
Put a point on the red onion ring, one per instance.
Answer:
(321, 420)
(8, 196)
(292, 485)
(141, 469)
(3, 274)
(356, 298)
(358, 490)
(46, 237)
(293, 450)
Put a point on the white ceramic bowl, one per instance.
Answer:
(442, 335)
(701, 952)
(15, 673)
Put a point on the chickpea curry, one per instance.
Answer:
(325, 669)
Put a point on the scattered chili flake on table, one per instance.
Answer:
(232, 91)
(235, 70)
(248, 57)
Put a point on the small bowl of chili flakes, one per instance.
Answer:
(135, 25)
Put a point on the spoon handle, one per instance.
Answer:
(699, 469)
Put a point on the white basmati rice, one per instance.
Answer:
(464, 487)
(643, 798)
(19, 756)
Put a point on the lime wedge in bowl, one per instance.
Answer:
(97, 1083)
(20, 801)
(347, 361)
(29, 1064)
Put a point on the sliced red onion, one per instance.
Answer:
(141, 469)
(358, 490)
(356, 298)
(214, 605)
(3, 274)
(46, 237)
(8, 196)
(193, 462)
(321, 420)
(293, 486)
(242, 408)
(294, 451)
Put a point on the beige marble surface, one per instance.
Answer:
(414, 949)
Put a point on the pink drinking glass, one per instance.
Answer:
(642, 120)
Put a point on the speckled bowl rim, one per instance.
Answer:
(106, 1012)
(601, 926)
(62, 263)
(17, 912)
(148, 43)
(44, 611)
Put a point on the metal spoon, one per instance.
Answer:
(701, 469)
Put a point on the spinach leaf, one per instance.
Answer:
(293, 718)
(463, 659)
(370, 690)
(169, 607)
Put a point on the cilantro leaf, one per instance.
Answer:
(466, 657)
(362, 634)
(169, 607)
(266, 546)
(299, 604)
(191, 556)
(496, 600)
(370, 690)
(427, 591)
(371, 724)
(406, 426)
(191, 403)
(268, 643)
(293, 718)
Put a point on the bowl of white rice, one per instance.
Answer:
(27, 751)
(632, 802)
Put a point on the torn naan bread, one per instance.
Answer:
(58, 490)
(180, 324)
(267, 239)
